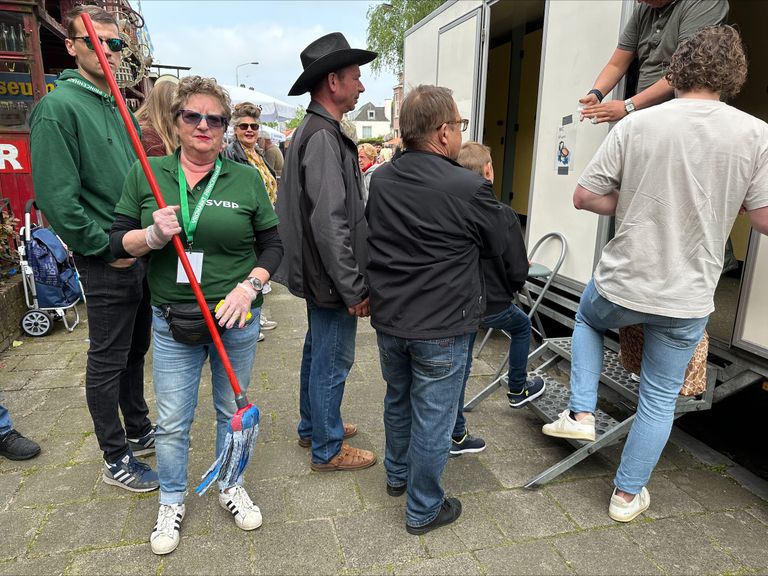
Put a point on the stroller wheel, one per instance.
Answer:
(37, 323)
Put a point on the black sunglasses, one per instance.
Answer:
(245, 126)
(194, 118)
(114, 44)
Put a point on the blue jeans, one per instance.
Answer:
(518, 326)
(329, 351)
(176, 374)
(5, 421)
(668, 347)
(424, 382)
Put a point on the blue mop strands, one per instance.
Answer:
(238, 447)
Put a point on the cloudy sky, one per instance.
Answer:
(213, 37)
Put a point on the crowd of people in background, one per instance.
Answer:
(416, 240)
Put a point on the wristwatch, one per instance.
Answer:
(629, 106)
(255, 283)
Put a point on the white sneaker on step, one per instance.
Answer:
(567, 427)
(247, 514)
(165, 535)
(623, 511)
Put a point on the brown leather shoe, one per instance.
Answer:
(349, 431)
(348, 458)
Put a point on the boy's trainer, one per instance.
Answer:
(165, 534)
(467, 444)
(532, 389)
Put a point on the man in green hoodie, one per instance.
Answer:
(81, 154)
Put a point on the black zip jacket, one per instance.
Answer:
(429, 223)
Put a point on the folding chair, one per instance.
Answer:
(537, 272)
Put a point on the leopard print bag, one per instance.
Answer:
(631, 342)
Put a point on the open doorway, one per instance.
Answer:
(748, 16)
(514, 61)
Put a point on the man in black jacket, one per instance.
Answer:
(430, 221)
(322, 220)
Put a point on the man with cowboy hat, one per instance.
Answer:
(322, 220)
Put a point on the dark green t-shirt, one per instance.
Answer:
(238, 206)
(655, 33)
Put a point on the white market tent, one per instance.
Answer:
(272, 109)
(275, 135)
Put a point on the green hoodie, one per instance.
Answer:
(81, 154)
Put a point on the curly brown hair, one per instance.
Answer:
(245, 110)
(712, 59)
(191, 85)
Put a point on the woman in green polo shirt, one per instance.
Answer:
(224, 217)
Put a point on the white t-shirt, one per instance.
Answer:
(683, 170)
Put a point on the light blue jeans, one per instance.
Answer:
(424, 381)
(5, 421)
(176, 373)
(668, 346)
(329, 352)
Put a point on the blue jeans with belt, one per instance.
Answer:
(424, 381)
(668, 346)
(176, 373)
(329, 351)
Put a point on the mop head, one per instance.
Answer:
(238, 446)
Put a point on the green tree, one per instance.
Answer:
(387, 24)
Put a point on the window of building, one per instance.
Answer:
(367, 132)
(371, 114)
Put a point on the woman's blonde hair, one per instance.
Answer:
(156, 113)
(369, 151)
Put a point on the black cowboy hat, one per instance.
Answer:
(325, 55)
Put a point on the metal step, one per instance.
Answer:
(615, 377)
(555, 399)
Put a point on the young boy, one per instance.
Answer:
(503, 277)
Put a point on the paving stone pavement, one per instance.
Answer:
(58, 517)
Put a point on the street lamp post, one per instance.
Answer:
(237, 78)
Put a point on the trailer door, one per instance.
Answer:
(450, 48)
(579, 38)
(751, 328)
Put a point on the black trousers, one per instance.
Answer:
(119, 328)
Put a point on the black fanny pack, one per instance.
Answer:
(187, 322)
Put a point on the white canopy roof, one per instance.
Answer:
(272, 109)
(274, 135)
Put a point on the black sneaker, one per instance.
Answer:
(14, 446)
(467, 444)
(131, 474)
(396, 490)
(533, 388)
(449, 512)
(144, 445)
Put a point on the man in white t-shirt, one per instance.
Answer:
(675, 176)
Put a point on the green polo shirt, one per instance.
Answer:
(237, 208)
(655, 33)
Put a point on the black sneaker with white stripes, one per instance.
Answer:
(131, 474)
(144, 445)
(165, 534)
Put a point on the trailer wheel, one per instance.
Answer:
(37, 323)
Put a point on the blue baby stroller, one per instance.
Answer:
(51, 284)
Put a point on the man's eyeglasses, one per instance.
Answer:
(194, 118)
(114, 44)
(464, 123)
(245, 126)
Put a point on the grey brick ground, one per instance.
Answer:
(58, 517)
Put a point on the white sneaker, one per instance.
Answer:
(567, 427)
(261, 337)
(165, 535)
(266, 323)
(623, 511)
(247, 514)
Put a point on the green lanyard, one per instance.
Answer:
(190, 224)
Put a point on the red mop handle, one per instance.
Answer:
(128, 121)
